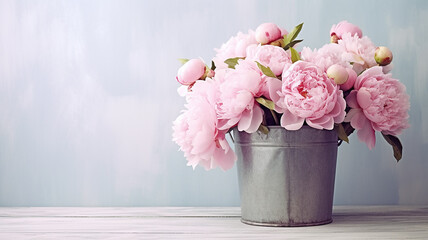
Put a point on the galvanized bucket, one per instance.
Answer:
(286, 178)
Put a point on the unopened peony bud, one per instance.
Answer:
(267, 32)
(191, 71)
(337, 73)
(352, 76)
(383, 56)
(345, 27)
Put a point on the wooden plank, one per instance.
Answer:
(379, 222)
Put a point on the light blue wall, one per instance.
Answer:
(88, 94)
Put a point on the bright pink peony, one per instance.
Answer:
(267, 32)
(308, 94)
(345, 27)
(270, 56)
(379, 103)
(234, 47)
(359, 51)
(196, 132)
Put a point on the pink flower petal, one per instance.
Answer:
(351, 114)
(256, 120)
(271, 88)
(325, 122)
(351, 99)
(364, 98)
(290, 121)
(201, 142)
(224, 156)
(367, 135)
(358, 120)
(340, 106)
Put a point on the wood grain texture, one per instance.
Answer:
(364, 222)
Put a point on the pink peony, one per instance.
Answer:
(308, 94)
(270, 56)
(196, 132)
(379, 103)
(234, 47)
(191, 71)
(267, 32)
(359, 51)
(238, 90)
(345, 27)
(326, 56)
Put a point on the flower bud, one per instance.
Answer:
(352, 76)
(191, 71)
(267, 32)
(337, 73)
(383, 56)
(345, 27)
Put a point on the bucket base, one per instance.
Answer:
(266, 224)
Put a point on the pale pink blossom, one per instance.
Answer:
(359, 51)
(267, 32)
(191, 71)
(196, 129)
(378, 103)
(326, 56)
(270, 56)
(235, 47)
(345, 27)
(238, 90)
(309, 95)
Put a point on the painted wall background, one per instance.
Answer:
(88, 95)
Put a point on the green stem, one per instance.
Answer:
(275, 118)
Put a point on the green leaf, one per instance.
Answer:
(231, 62)
(263, 129)
(396, 145)
(183, 60)
(294, 55)
(341, 133)
(213, 65)
(291, 44)
(348, 128)
(266, 70)
(265, 102)
(293, 34)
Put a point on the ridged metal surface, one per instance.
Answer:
(286, 178)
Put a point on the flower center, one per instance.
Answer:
(302, 90)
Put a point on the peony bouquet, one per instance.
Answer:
(259, 79)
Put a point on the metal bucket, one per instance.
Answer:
(286, 178)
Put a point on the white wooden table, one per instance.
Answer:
(365, 222)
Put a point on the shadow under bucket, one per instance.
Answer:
(286, 178)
